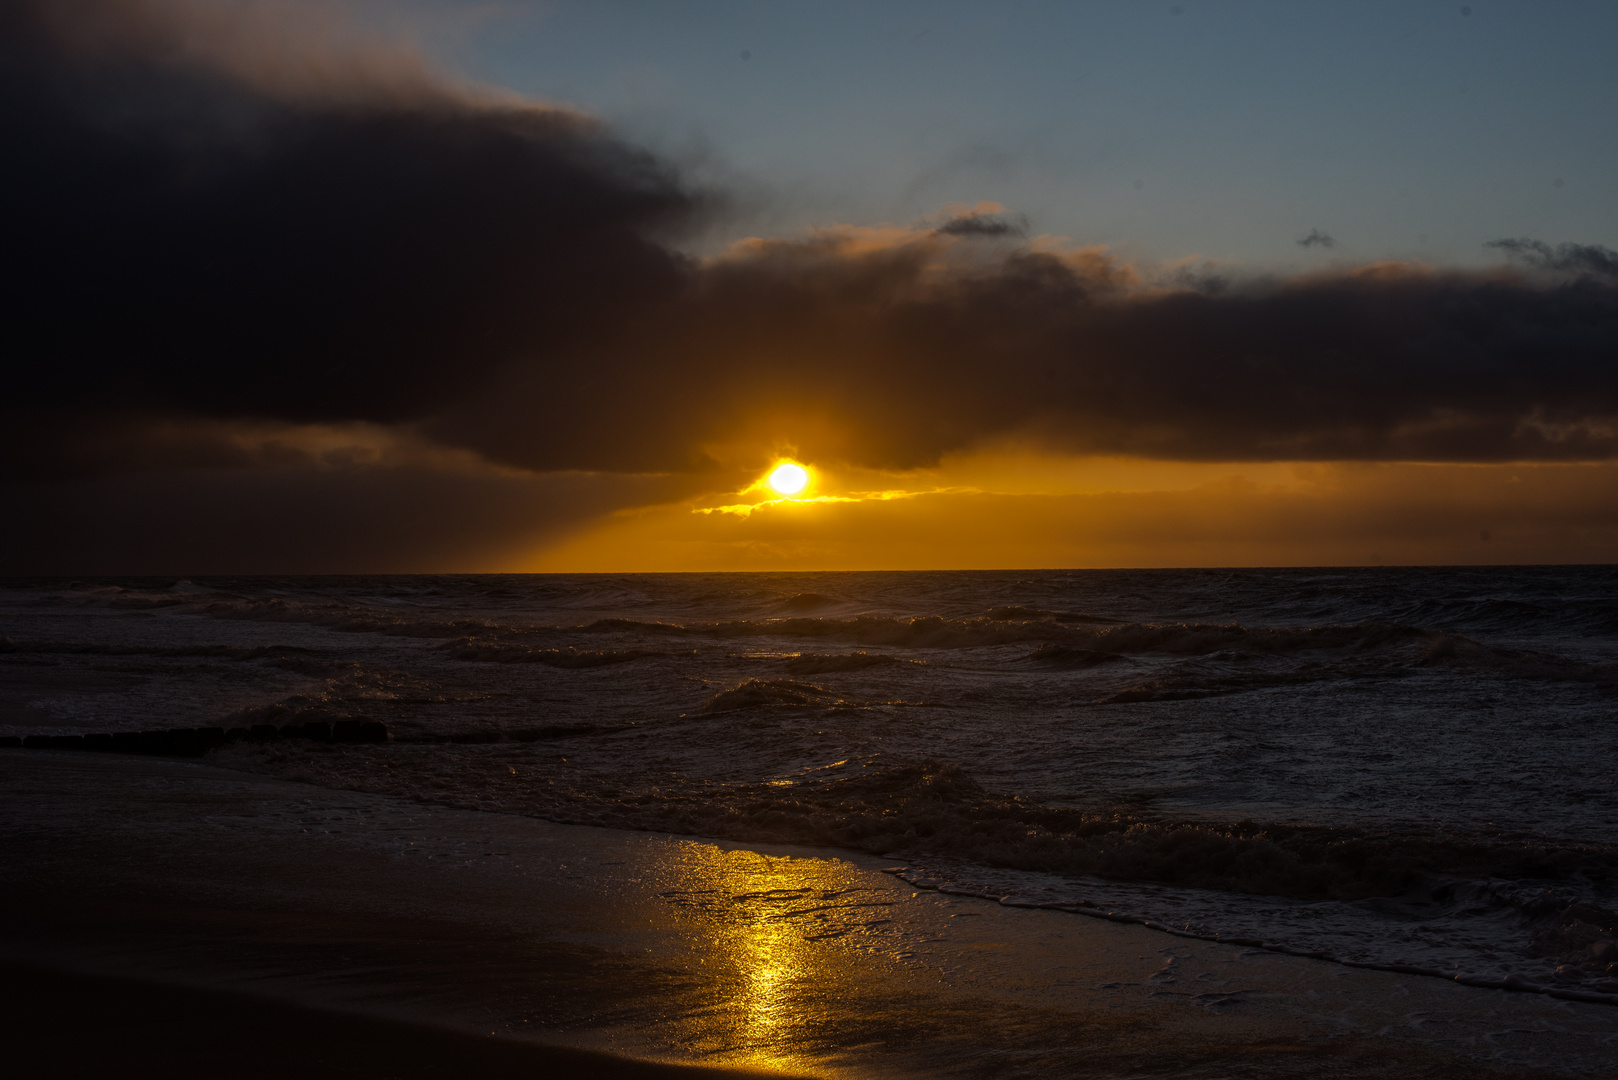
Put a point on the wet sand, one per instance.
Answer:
(68, 1024)
(445, 925)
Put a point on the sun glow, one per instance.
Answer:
(789, 479)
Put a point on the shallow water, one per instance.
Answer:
(1401, 767)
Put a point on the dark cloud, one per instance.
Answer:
(1579, 260)
(215, 238)
(360, 519)
(183, 238)
(892, 355)
(979, 224)
(1316, 238)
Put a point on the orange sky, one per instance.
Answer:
(1026, 510)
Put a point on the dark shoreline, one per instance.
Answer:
(224, 916)
(69, 1024)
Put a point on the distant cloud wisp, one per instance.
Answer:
(984, 224)
(1590, 260)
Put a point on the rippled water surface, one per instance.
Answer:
(1412, 767)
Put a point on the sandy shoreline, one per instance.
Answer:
(674, 950)
(70, 1024)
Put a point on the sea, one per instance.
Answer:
(1403, 768)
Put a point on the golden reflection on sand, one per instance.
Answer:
(781, 932)
(770, 962)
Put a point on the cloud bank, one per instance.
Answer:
(222, 236)
(252, 230)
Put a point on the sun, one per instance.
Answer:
(789, 479)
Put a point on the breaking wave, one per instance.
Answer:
(1420, 893)
(928, 807)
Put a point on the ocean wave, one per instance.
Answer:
(806, 601)
(1453, 650)
(569, 657)
(295, 713)
(1565, 947)
(822, 663)
(935, 632)
(1018, 613)
(1136, 694)
(1068, 657)
(934, 807)
(1561, 615)
(289, 657)
(1366, 893)
(486, 736)
(1058, 645)
(1084, 638)
(926, 807)
(99, 648)
(929, 810)
(1195, 685)
(755, 693)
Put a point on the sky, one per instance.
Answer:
(305, 286)
(1224, 131)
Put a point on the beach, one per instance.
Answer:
(75, 1025)
(1400, 768)
(524, 936)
